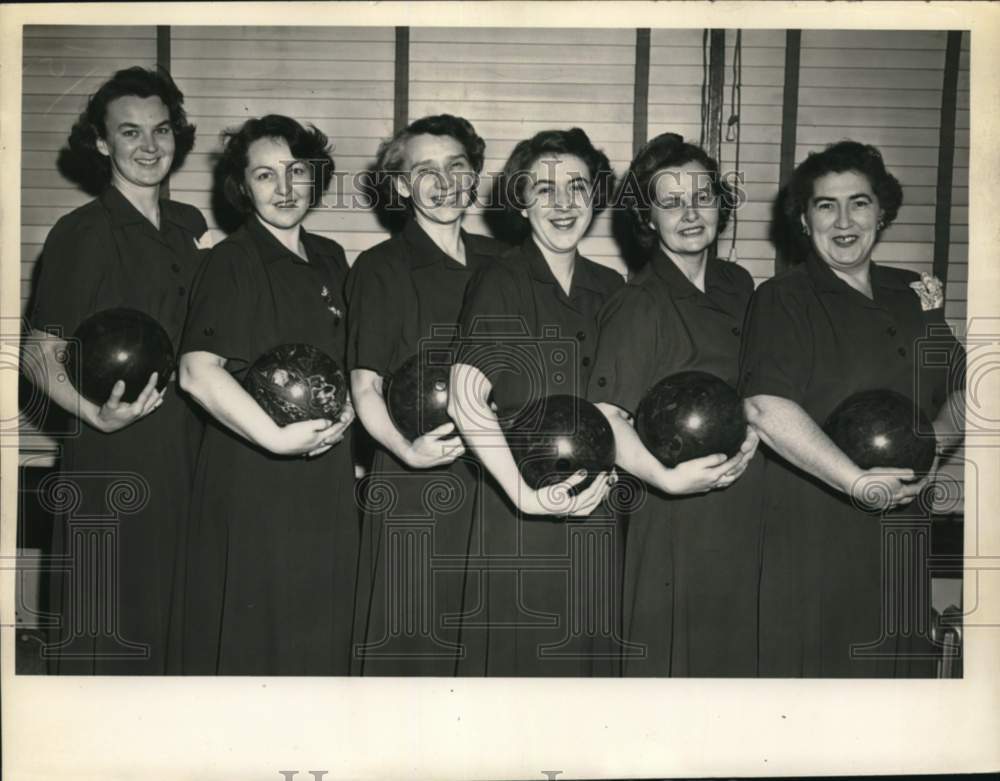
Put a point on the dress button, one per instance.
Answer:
(586, 360)
(209, 331)
(602, 381)
(181, 290)
(902, 351)
(581, 336)
(891, 331)
(736, 331)
(176, 267)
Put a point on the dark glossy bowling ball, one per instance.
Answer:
(878, 428)
(689, 415)
(118, 344)
(416, 395)
(555, 437)
(295, 382)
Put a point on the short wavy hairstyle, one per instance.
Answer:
(637, 192)
(307, 144)
(514, 180)
(836, 159)
(391, 156)
(83, 162)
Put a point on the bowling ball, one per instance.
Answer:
(417, 396)
(557, 436)
(689, 415)
(296, 382)
(118, 344)
(878, 428)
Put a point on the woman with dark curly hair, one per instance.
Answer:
(691, 558)
(835, 324)
(528, 330)
(273, 549)
(404, 296)
(128, 248)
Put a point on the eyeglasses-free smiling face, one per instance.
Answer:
(279, 185)
(842, 219)
(559, 201)
(438, 178)
(685, 209)
(140, 141)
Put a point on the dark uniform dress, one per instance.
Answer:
(815, 340)
(691, 562)
(404, 296)
(274, 540)
(134, 484)
(530, 602)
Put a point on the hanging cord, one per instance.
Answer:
(733, 128)
(704, 88)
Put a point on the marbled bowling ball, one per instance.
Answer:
(553, 438)
(295, 382)
(416, 396)
(879, 428)
(689, 415)
(118, 344)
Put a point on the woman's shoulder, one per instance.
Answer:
(185, 215)
(735, 274)
(88, 219)
(486, 245)
(388, 256)
(609, 279)
(790, 281)
(328, 246)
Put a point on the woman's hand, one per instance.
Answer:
(116, 414)
(883, 489)
(437, 447)
(747, 451)
(335, 434)
(556, 499)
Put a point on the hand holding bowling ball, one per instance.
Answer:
(298, 382)
(115, 345)
(560, 445)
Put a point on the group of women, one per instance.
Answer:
(260, 552)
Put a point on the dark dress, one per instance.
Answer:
(538, 590)
(123, 525)
(404, 296)
(815, 340)
(273, 550)
(691, 562)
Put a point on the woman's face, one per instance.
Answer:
(685, 209)
(438, 177)
(559, 204)
(140, 141)
(842, 219)
(279, 185)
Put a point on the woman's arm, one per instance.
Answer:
(469, 407)
(435, 448)
(695, 476)
(113, 415)
(789, 430)
(204, 376)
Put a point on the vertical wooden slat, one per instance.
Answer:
(640, 98)
(946, 155)
(163, 63)
(716, 93)
(789, 123)
(401, 97)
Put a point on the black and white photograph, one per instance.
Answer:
(449, 375)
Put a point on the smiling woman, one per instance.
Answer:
(273, 548)
(128, 248)
(529, 330)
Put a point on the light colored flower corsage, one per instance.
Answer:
(330, 304)
(930, 290)
(206, 241)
